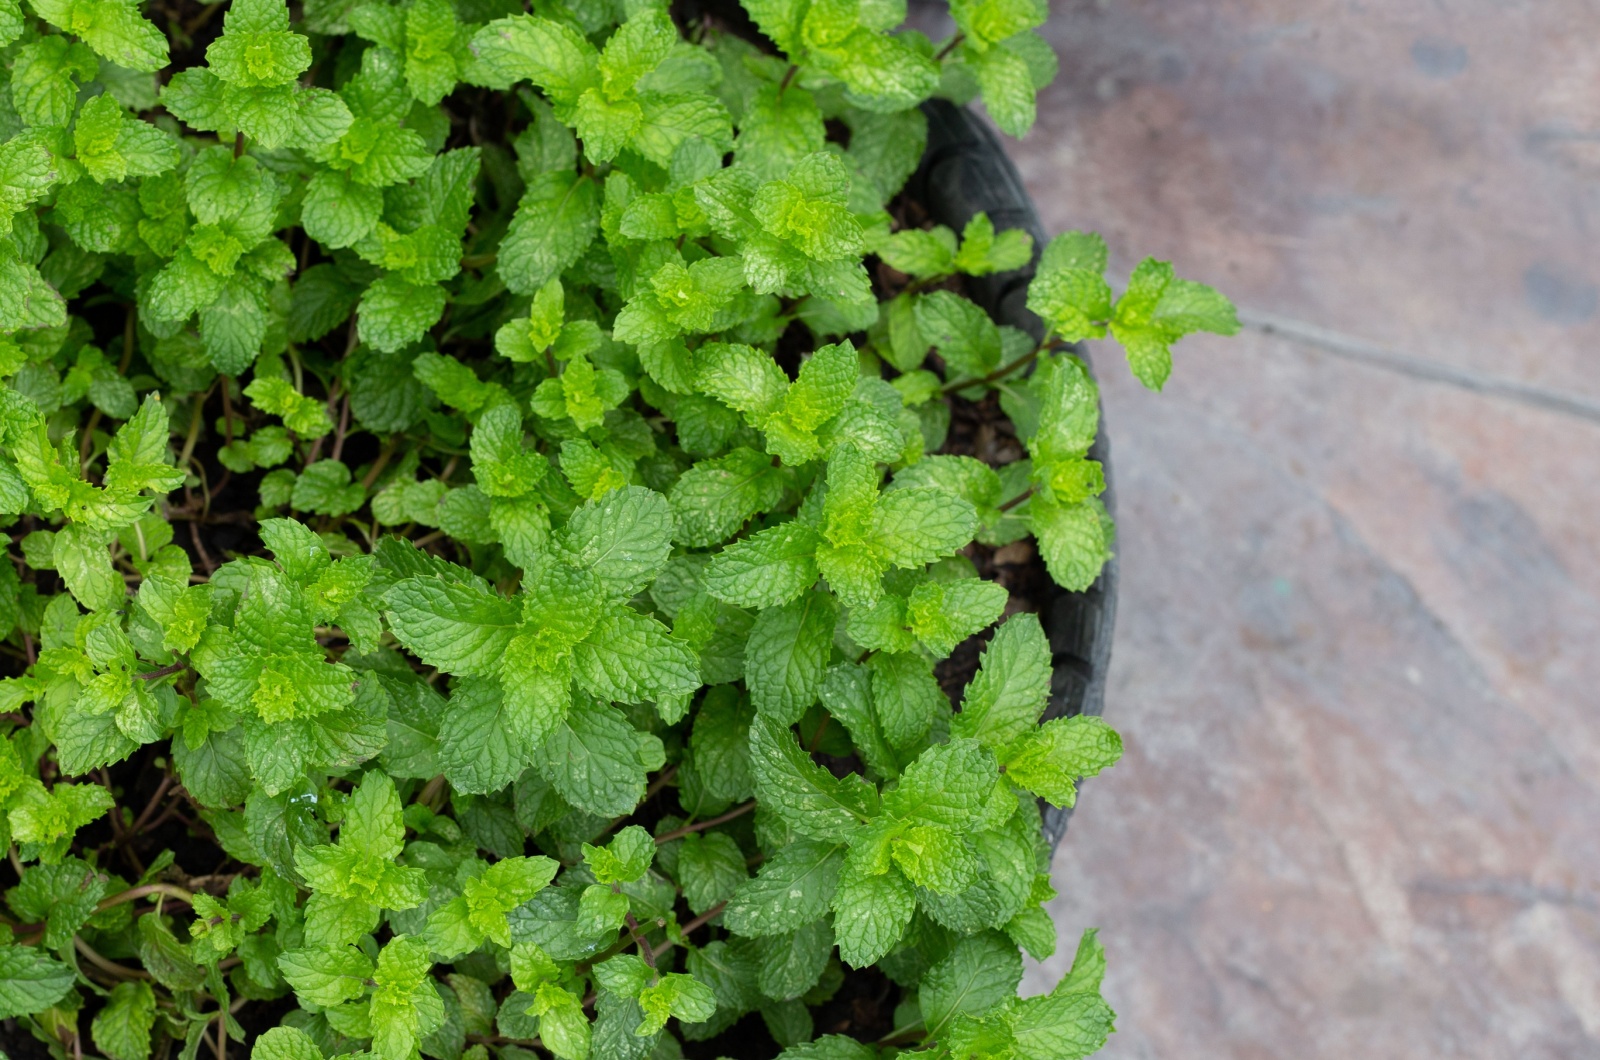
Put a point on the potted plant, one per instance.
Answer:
(503, 506)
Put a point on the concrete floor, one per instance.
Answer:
(1358, 659)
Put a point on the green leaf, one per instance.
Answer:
(1007, 83)
(113, 28)
(770, 568)
(30, 981)
(27, 170)
(636, 48)
(710, 867)
(285, 1043)
(777, 130)
(1007, 695)
(1069, 289)
(137, 456)
(814, 802)
(551, 54)
(459, 627)
(483, 744)
(556, 220)
(906, 697)
(675, 994)
(395, 313)
(595, 760)
(720, 741)
(1072, 1021)
(943, 614)
(882, 73)
(1048, 760)
(84, 561)
(501, 465)
(870, 914)
(983, 252)
(917, 526)
(623, 538)
(713, 499)
(338, 212)
(791, 966)
(121, 1030)
(963, 333)
(950, 785)
(980, 973)
(631, 657)
(830, 1047)
(1074, 539)
(921, 252)
(405, 1005)
(787, 654)
(167, 959)
(1157, 310)
(795, 886)
(326, 977)
(623, 860)
(45, 79)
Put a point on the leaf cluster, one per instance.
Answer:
(460, 464)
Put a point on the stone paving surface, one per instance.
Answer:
(1358, 655)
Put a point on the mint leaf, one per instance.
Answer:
(814, 802)
(1157, 310)
(1048, 760)
(30, 981)
(795, 886)
(787, 654)
(980, 973)
(1006, 697)
(871, 914)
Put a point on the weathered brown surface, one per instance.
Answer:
(1358, 656)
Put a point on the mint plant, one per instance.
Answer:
(484, 551)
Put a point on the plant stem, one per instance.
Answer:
(430, 794)
(660, 782)
(339, 433)
(999, 373)
(86, 445)
(679, 833)
(133, 894)
(127, 341)
(698, 922)
(1018, 499)
(109, 967)
(238, 140)
(227, 409)
(149, 807)
(788, 76)
(165, 671)
(955, 42)
(378, 465)
(645, 951)
(196, 418)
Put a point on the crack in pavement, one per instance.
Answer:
(1353, 349)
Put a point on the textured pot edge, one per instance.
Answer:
(965, 170)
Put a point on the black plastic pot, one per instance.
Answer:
(965, 171)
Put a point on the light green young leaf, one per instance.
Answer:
(1049, 760)
(113, 28)
(1069, 289)
(1157, 310)
(1006, 697)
